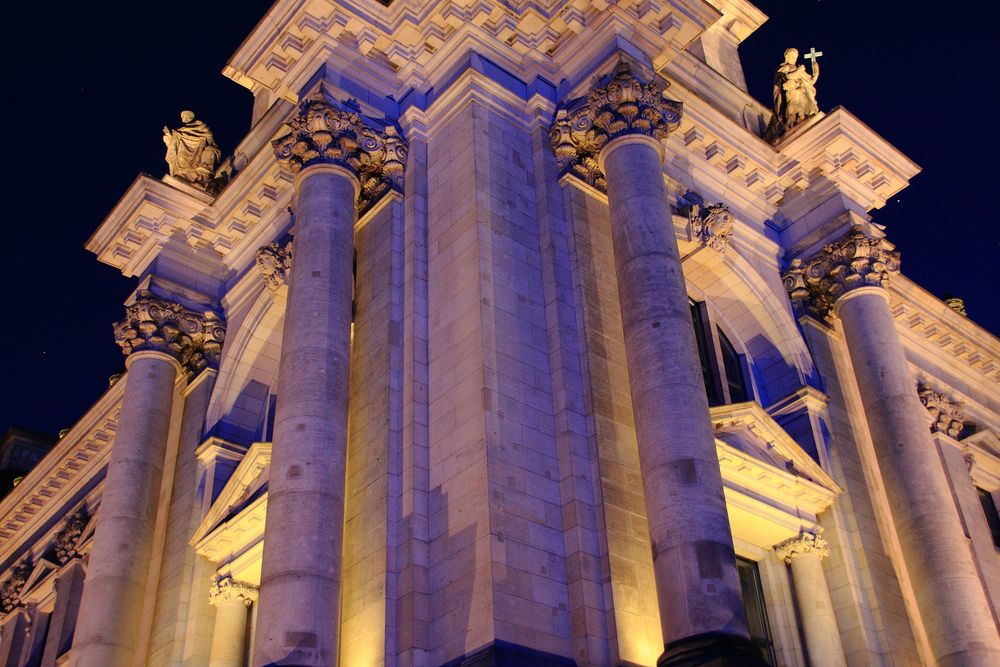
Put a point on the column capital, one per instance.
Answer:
(157, 325)
(274, 261)
(67, 542)
(227, 589)
(10, 591)
(947, 416)
(320, 133)
(852, 262)
(801, 545)
(624, 105)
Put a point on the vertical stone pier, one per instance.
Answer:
(331, 152)
(850, 277)
(697, 583)
(158, 336)
(804, 553)
(231, 600)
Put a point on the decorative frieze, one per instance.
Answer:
(801, 545)
(10, 592)
(946, 414)
(323, 134)
(227, 589)
(857, 260)
(274, 261)
(712, 226)
(67, 544)
(151, 323)
(625, 105)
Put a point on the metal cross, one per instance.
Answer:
(813, 54)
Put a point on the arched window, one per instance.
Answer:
(722, 366)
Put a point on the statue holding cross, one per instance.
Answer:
(794, 94)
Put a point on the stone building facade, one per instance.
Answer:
(510, 341)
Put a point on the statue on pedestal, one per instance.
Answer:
(794, 94)
(192, 153)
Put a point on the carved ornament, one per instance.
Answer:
(68, 539)
(857, 260)
(323, 134)
(946, 414)
(712, 225)
(801, 545)
(226, 589)
(274, 261)
(626, 105)
(10, 592)
(151, 323)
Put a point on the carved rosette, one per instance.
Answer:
(10, 591)
(946, 414)
(226, 589)
(626, 105)
(712, 226)
(274, 261)
(68, 539)
(801, 545)
(323, 134)
(151, 323)
(857, 260)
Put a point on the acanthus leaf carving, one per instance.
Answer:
(805, 543)
(946, 414)
(226, 589)
(625, 105)
(712, 225)
(10, 591)
(67, 541)
(274, 260)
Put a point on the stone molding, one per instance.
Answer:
(801, 545)
(323, 134)
(226, 589)
(712, 226)
(68, 540)
(274, 260)
(155, 324)
(857, 260)
(624, 105)
(946, 413)
(10, 592)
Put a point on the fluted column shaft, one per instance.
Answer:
(114, 589)
(804, 554)
(298, 618)
(693, 558)
(949, 593)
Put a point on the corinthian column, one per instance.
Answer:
(804, 553)
(697, 584)
(161, 339)
(231, 600)
(336, 160)
(850, 277)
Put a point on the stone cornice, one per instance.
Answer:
(417, 42)
(248, 476)
(153, 324)
(804, 544)
(854, 261)
(64, 472)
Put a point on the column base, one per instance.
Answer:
(505, 654)
(713, 649)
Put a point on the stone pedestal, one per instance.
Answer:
(804, 555)
(156, 335)
(850, 276)
(231, 600)
(701, 608)
(331, 152)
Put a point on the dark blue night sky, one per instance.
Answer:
(89, 87)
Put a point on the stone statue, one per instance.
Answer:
(794, 94)
(192, 153)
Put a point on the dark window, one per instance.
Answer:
(992, 518)
(753, 602)
(734, 370)
(704, 343)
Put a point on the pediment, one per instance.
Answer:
(244, 488)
